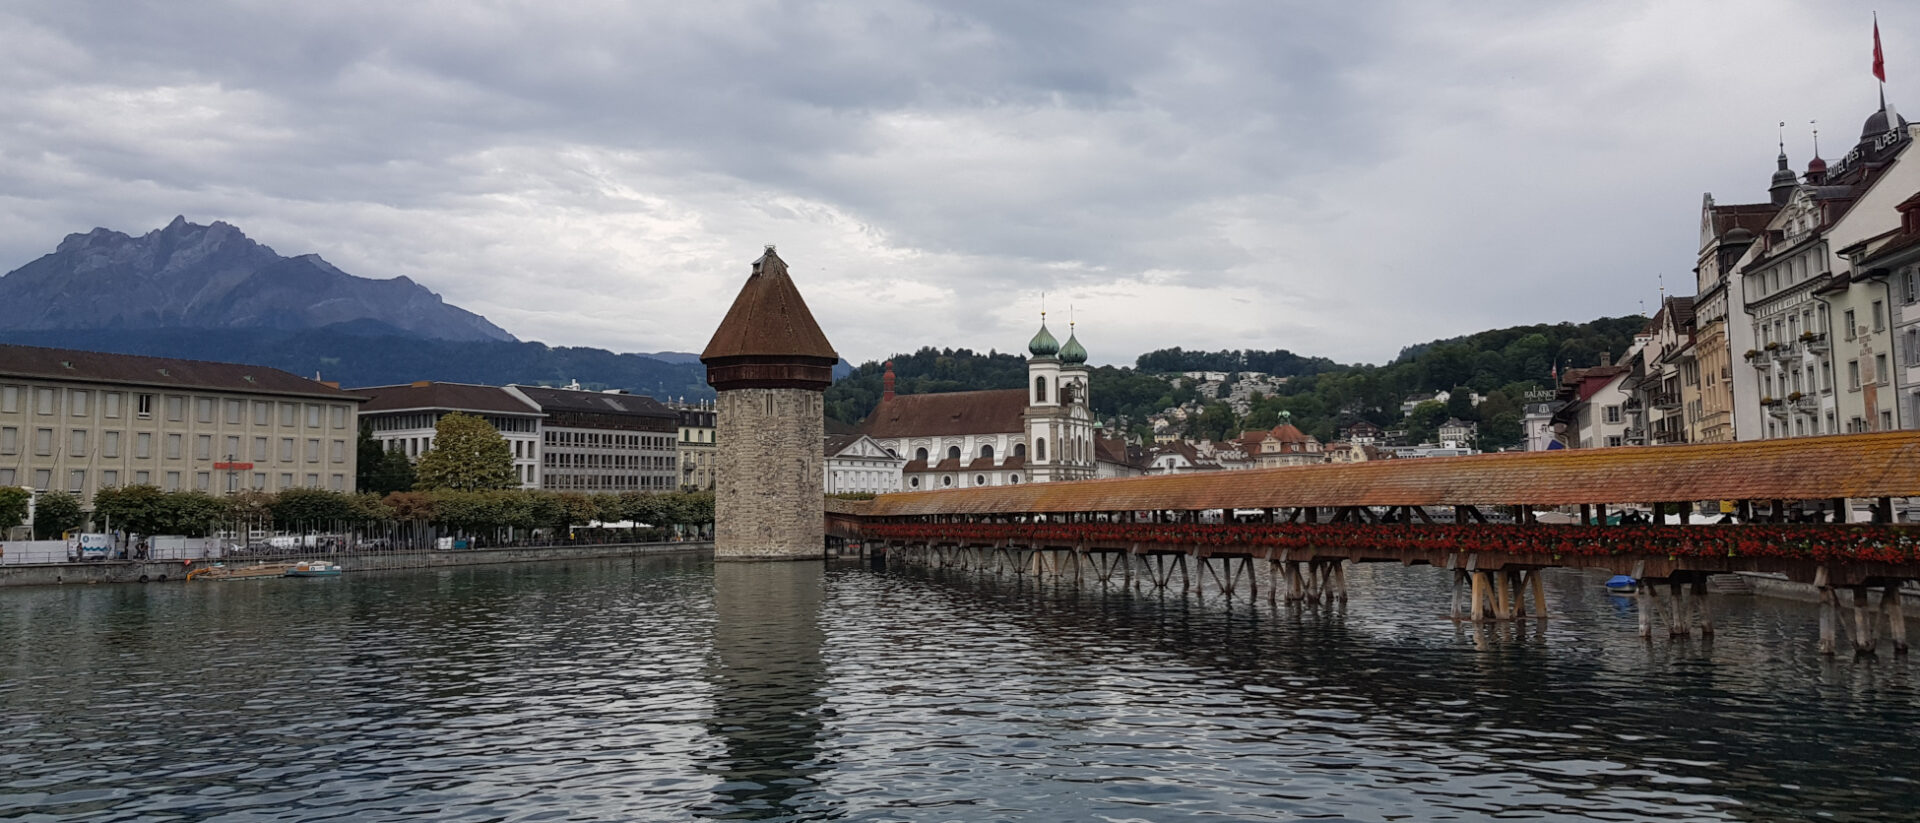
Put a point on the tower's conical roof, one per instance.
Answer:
(768, 318)
(767, 329)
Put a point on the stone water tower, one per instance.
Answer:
(770, 364)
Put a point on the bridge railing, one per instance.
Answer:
(1826, 543)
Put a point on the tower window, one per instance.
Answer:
(1039, 390)
(1040, 448)
(953, 452)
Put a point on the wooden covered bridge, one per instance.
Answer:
(1820, 510)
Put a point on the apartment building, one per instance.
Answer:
(79, 421)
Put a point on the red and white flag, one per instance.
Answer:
(1879, 62)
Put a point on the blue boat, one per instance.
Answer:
(1622, 584)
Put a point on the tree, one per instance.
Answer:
(381, 470)
(134, 509)
(1502, 430)
(468, 454)
(13, 507)
(1423, 423)
(54, 514)
(304, 509)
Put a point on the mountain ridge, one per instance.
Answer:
(186, 275)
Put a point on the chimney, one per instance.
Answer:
(1606, 358)
(886, 383)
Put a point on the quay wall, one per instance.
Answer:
(155, 571)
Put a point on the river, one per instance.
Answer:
(667, 688)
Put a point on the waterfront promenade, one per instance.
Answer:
(163, 571)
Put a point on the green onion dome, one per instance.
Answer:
(1073, 352)
(1043, 344)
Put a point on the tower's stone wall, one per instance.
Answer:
(768, 495)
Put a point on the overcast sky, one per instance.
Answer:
(1338, 179)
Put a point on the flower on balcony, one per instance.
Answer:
(1794, 397)
(1769, 401)
(1809, 337)
(1773, 346)
(1752, 353)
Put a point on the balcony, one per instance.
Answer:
(1783, 352)
(1665, 401)
(1774, 406)
(1670, 436)
(1805, 405)
(1815, 342)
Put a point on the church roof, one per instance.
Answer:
(995, 411)
(768, 318)
(1289, 433)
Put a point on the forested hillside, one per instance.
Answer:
(1321, 396)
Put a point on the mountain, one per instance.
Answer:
(189, 276)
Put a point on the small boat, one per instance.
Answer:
(316, 568)
(1622, 584)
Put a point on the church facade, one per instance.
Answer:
(1041, 433)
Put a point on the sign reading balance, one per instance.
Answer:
(233, 467)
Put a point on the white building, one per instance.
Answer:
(857, 463)
(403, 418)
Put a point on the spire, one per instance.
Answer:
(1784, 179)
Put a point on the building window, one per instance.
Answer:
(1039, 390)
(203, 447)
(979, 480)
(10, 399)
(42, 478)
(7, 477)
(176, 410)
(286, 449)
(1853, 375)
(920, 454)
(953, 452)
(173, 481)
(109, 479)
(1879, 316)
(43, 401)
(202, 481)
(77, 402)
(340, 419)
(173, 447)
(1613, 414)
(338, 482)
(203, 409)
(286, 480)
(143, 406)
(1880, 370)
(1849, 322)
(259, 450)
(288, 413)
(77, 443)
(43, 442)
(77, 481)
(1886, 420)
(986, 451)
(1013, 478)
(259, 481)
(339, 451)
(110, 403)
(143, 445)
(313, 481)
(1040, 449)
(313, 420)
(946, 480)
(262, 412)
(110, 444)
(9, 440)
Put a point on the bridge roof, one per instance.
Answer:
(1807, 468)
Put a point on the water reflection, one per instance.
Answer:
(767, 679)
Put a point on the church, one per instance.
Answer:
(1041, 433)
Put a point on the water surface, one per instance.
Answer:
(669, 689)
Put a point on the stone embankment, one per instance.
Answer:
(155, 571)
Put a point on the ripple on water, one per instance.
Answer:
(667, 688)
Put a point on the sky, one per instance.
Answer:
(1337, 179)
